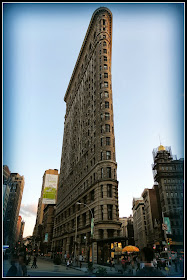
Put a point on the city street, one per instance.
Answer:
(46, 268)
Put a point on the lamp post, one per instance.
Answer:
(165, 235)
(75, 237)
(91, 225)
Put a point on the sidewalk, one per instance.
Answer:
(84, 267)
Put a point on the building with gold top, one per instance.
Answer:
(88, 185)
(168, 173)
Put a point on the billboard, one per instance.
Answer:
(50, 189)
(46, 237)
(168, 225)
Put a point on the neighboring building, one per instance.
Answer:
(88, 163)
(6, 193)
(152, 218)
(168, 173)
(139, 223)
(13, 208)
(48, 224)
(127, 229)
(18, 228)
(6, 188)
(21, 231)
(38, 228)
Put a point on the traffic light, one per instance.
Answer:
(169, 241)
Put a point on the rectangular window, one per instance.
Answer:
(102, 215)
(107, 116)
(104, 50)
(108, 141)
(105, 58)
(101, 155)
(108, 172)
(104, 21)
(84, 219)
(101, 191)
(106, 94)
(92, 195)
(109, 190)
(106, 104)
(106, 76)
(109, 210)
(104, 43)
(101, 142)
(105, 84)
(101, 172)
(107, 128)
(105, 67)
(108, 154)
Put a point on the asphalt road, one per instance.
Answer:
(46, 269)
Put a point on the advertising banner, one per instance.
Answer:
(168, 225)
(46, 237)
(50, 189)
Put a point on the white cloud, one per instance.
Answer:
(28, 210)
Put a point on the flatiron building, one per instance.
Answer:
(88, 162)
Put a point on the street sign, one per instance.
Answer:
(167, 223)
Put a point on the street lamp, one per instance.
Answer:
(92, 225)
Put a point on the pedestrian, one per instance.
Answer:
(34, 262)
(13, 269)
(148, 270)
(155, 262)
(176, 265)
(80, 260)
(65, 256)
(67, 264)
(138, 264)
(123, 264)
(22, 266)
(110, 263)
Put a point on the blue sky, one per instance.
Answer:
(41, 43)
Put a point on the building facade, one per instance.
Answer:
(6, 188)
(18, 228)
(152, 218)
(38, 228)
(127, 230)
(48, 224)
(139, 223)
(88, 163)
(168, 173)
(13, 208)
